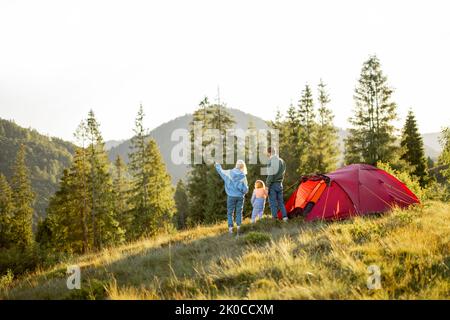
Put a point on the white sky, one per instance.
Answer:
(58, 59)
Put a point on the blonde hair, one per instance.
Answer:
(240, 164)
(259, 184)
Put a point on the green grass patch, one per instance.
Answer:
(256, 238)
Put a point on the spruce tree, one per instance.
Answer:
(307, 128)
(6, 213)
(207, 202)
(23, 199)
(290, 144)
(105, 227)
(412, 145)
(67, 223)
(196, 181)
(138, 167)
(81, 215)
(278, 123)
(197, 194)
(371, 138)
(290, 149)
(137, 162)
(306, 113)
(79, 171)
(182, 205)
(121, 188)
(159, 203)
(215, 207)
(77, 194)
(151, 193)
(325, 139)
(69, 217)
(254, 169)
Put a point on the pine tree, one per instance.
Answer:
(137, 161)
(139, 170)
(207, 202)
(325, 139)
(254, 169)
(414, 153)
(278, 123)
(215, 205)
(6, 213)
(80, 173)
(290, 145)
(290, 149)
(105, 227)
(196, 181)
(307, 128)
(23, 199)
(306, 113)
(74, 205)
(151, 194)
(138, 167)
(81, 215)
(159, 203)
(121, 188)
(67, 227)
(371, 138)
(197, 194)
(182, 204)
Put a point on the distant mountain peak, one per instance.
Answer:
(112, 143)
(163, 133)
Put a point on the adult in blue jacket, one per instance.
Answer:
(236, 187)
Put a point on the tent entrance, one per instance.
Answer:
(305, 197)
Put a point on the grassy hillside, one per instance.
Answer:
(271, 260)
(46, 158)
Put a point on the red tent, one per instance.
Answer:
(354, 190)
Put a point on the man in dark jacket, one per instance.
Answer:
(276, 170)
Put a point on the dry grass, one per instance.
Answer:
(271, 260)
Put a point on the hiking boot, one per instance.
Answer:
(230, 230)
(285, 219)
(238, 232)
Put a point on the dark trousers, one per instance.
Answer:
(276, 200)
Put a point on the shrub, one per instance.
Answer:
(436, 191)
(21, 261)
(410, 181)
(365, 230)
(91, 290)
(6, 280)
(256, 237)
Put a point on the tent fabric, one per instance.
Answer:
(305, 193)
(334, 204)
(358, 189)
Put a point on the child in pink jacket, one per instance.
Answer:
(258, 200)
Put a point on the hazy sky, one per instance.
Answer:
(59, 58)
